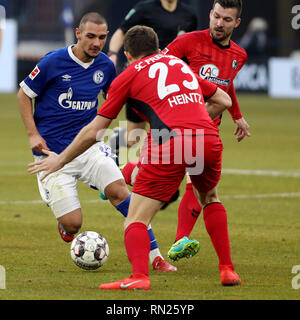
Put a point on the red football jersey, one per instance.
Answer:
(165, 91)
(211, 61)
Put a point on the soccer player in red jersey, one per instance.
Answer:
(166, 93)
(212, 55)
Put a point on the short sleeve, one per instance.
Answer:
(208, 88)
(35, 83)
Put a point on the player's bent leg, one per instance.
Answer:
(141, 212)
(119, 196)
(116, 192)
(69, 224)
(130, 171)
(207, 197)
(215, 219)
(59, 191)
(188, 211)
(155, 256)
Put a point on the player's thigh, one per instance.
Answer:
(158, 181)
(59, 191)
(72, 221)
(208, 197)
(98, 169)
(117, 192)
(142, 209)
(207, 181)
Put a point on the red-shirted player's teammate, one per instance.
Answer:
(213, 56)
(182, 137)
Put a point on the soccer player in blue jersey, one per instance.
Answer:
(65, 86)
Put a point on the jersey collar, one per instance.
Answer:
(85, 65)
(227, 46)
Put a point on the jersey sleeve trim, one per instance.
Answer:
(99, 114)
(211, 94)
(29, 92)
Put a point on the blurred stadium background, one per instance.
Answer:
(35, 27)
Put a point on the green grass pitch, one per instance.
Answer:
(260, 189)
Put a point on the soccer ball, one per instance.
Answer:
(89, 250)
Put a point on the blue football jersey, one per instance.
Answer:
(66, 92)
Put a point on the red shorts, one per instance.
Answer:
(160, 177)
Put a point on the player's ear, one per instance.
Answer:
(238, 22)
(77, 33)
(129, 56)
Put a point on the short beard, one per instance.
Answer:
(89, 56)
(226, 36)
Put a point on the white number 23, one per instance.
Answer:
(164, 90)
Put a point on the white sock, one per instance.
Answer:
(153, 254)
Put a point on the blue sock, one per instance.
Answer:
(123, 208)
(153, 242)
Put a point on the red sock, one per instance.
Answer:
(215, 219)
(138, 247)
(188, 213)
(127, 171)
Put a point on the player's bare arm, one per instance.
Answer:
(36, 142)
(85, 139)
(115, 45)
(217, 103)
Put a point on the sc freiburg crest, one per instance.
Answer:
(234, 64)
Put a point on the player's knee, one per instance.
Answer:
(117, 192)
(71, 221)
(136, 219)
(206, 198)
(71, 225)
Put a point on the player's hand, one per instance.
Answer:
(242, 129)
(49, 165)
(37, 143)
